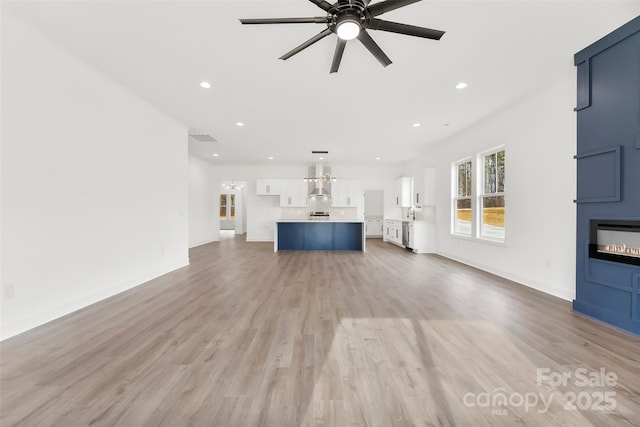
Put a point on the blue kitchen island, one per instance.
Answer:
(319, 235)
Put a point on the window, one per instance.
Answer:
(223, 206)
(463, 213)
(491, 198)
(227, 206)
(232, 206)
(478, 196)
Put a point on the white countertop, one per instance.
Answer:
(354, 220)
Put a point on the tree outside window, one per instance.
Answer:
(463, 213)
(492, 198)
(479, 196)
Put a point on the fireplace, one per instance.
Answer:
(615, 240)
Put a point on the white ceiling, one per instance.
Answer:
(504, 50)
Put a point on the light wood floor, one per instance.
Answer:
(245, 337)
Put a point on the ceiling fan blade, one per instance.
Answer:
(322, 4)
(313, 20)
(306, 44)
(337, 56)
(409, 30)
(389, 5)
(373, 47)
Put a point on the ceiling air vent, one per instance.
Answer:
(202, 137)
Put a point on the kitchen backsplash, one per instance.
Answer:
(426, 214)
(303, 213)
(318, 204)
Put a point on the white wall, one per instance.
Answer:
(241, 208)
(94, 184)
(204, 221)
(539, 136)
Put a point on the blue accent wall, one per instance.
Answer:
(608, 165)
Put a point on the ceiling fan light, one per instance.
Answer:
(348, 29)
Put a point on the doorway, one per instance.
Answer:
(232, 206)
(373, 204)
(227, 211)
(374, 212)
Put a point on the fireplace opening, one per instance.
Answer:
(615, 240)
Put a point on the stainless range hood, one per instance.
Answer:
(319, 176)
(319, 179)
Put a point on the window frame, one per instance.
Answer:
(478, 195)
(482, 194)
(229, 206)
(455, 197)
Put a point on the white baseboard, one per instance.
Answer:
(203, 243)
(522, 280)
(33, 320)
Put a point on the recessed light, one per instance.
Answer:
(416, 125)
(216, 155)
(321, 158)
(239, 124)
(270, 157)
(378, 158)
(205, 85)
(461, 85)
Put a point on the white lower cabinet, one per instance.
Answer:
(421, 235)
(393, 231)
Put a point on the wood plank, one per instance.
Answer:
(248, 337)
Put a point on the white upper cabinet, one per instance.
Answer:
(345, 193)
(293, 193)
(418, 189)
(430, 192)
(268, 187)
(402, 192)
(424, 188)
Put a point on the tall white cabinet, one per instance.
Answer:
(402, 192)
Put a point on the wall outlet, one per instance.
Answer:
(7, 291)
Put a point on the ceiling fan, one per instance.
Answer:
(350, 19)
